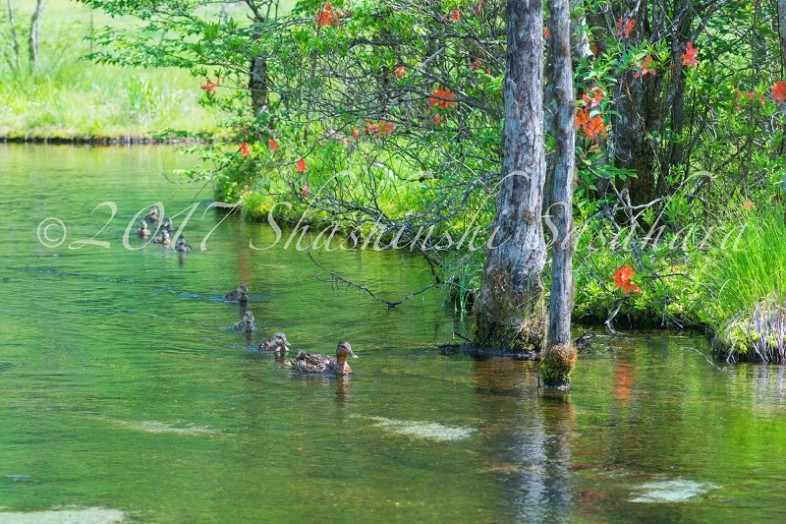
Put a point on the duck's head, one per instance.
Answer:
(344, 351)
(181, 239)
(142, 225)
(242, 289)
(248, 316)
(281, 339)
(167, 223)
(153, 211)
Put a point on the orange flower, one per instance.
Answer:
(622, 280)
(356, 133)
(476, 65)
(689, 58)
(441, 97)
(300, 167)
(595, 127)
(624, 29)
(209, 86)
(779, 91)
(272, 144)
(455, 16)
(546, 33)
(326, 18)
(747, 206)
(593, 101)
(437, 119)
(582, 117)
(400, 71)
(244, 149)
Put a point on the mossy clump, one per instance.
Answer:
(557, 364)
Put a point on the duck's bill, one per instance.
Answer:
(352, 354)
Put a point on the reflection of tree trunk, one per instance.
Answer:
(560, 357)
(527, 440)
(509, 310)
(34, 29)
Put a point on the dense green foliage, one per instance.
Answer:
(383, 118)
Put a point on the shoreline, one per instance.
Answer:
(127, 140)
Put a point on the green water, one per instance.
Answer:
(123, 387)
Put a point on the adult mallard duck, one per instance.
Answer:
(246, 324)
(238, 295)
(163, 239)
(167, 225)
(152, 216)
(143, 231)
(181, 246)
(278, 343)
(316, 363)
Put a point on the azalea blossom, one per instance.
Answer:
(689, 58)
(401, 71)
(305, 191)
(355, 133)
(645, 64)
(593, 101)
(209, 86)
(623, 280)
(300, 167)
(441, 97)
(437, 119)
(624, 28)
(779, 91)
(747, 206)
(272, 144)
(455, 16)
(244, 149)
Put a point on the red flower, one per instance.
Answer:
(747, 206)
(624, 29)
(328, 6)
(644, 65)
(272, 144)
(356, 133)
(400, 71)
(437, 119)
(689, 58)
(622, 280)
(455, 16)
(209, 86)
(593, 101)
(300, 167)
(779, 91)
(441, 97)
(546, 33)
(381, 129)
(305, 191)
(479, 8)
(244, 149)
(476, 65)
(326, 18)
(594, 128)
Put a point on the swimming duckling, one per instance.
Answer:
(278, 343)
(164, 239)
(316, 363)
(152, 216)
(167, 224)
(238, 295)
(181, 246)
(247, 324)
(143, 231)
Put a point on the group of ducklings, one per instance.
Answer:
(307, 363)
(164, 228)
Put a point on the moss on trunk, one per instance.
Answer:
(558, 362)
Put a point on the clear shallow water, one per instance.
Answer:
(123, 389)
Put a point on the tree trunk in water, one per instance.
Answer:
(33, 39)
(560, 355)
(509, 310)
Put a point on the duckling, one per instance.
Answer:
(167, 225)
(278, 343)
(238, 295)
(163, 239)
(152, 216)
(181, 246)
(143, 231)
(316, 363)
(247, 324)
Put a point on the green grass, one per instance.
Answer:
(70, 98)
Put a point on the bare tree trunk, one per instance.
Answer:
(257, 84)
(782, 33)
(560, 355)
(509, 311)
(14, 39)
(34, 26)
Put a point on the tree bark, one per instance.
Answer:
(560, 355)
(34, 29)
(782, 33)
(14, 63)
(509, 311)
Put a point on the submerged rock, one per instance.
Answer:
(666, 491)
(71, 516)
(427, 430)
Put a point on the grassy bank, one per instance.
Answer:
(67, 98)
